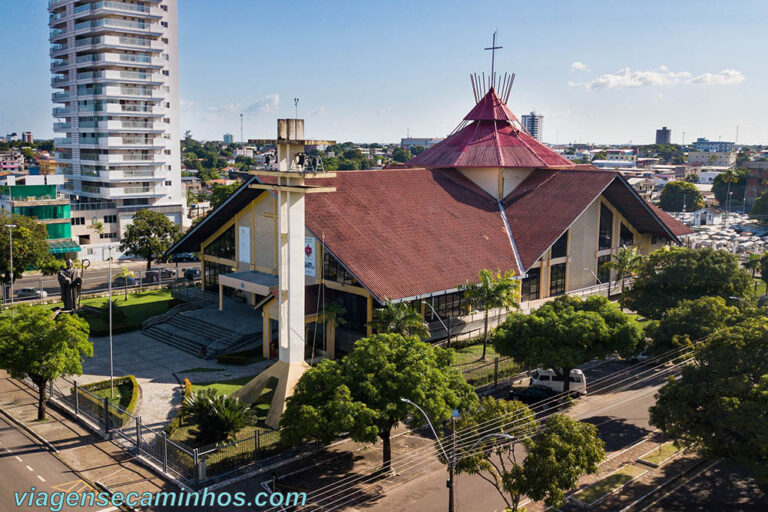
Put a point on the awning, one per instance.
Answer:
(259, 283)
(62, 246)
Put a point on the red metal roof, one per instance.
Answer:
(490, 140)
(491, 108)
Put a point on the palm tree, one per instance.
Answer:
(218, 417)
(125, 274)
(499, 291)
(400, 318)
(752, 263)
(625, 263)
(332, 316)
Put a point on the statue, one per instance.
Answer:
(71, 285)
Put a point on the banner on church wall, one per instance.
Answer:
(310, 256)
(244, 244)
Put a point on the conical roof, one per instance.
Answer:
(493, 138)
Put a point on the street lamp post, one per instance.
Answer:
(10, 234)
(111, 365)
(446, 327)
(451, 460)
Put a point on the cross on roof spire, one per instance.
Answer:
(493, 49)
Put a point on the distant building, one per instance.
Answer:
(708, 177)
(663, 135)
(620, 155)
(711, 146)
(533, 124)
(707, 217)
(11, 162)
(228, 138)
(757, 180)
(27, 137)
(37, 197)
(11, 137)
(412, 142)
(712, 158)
(244, 152)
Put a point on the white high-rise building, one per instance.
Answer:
(533, 124)
(115, 80)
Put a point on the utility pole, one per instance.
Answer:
(242, 143)
(10, 234)
(111, 366)
(452, 468)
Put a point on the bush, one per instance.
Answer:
(218, 417)
(96, 404)
(178, 420)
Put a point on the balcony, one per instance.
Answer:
(121, 25)
(133, 9)
(58, 64)
(59, 81)
(52, 3)
(60, 127)
(56, 33)
(117, 158)
(60, 97)
(115, 175)
(58, 142)
(118, 59)
(61, 112)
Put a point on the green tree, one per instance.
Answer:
(492, 292)
(729, 182)
(218, 417)
(720, 404)
(753, 262)
(672, 274)
(332, 316)
(759, 208)
(400, 318)
(149, 235)
(221, 193)
(558, 456)
(125, 274)
(691, 321)
(565, 333)
(486, 449)
(361, 393)
(37, 344)
(401, 155)
(677, 194)
(30, 250)
(625, 263)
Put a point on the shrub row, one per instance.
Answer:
(178, 420)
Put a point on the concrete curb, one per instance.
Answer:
(111, 494)
(40, 439)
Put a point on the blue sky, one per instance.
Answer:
(371, 71)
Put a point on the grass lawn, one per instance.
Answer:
(660, 454)
(477, 371)
(224, 387)
(760, 289)
(123, 392)
(138, 307)
(608, 484)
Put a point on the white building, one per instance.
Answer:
(247, 152)
(412, 142)
(712, 158)
(115, 75)
(620, 155)
(707, 217)
(534, 124)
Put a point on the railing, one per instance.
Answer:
(111, 5)
(125, 57)
(158, 319)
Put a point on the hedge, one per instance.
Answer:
(178, 420)
(115, 418)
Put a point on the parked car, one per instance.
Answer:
(641, 357)
(184, 257)
(190, 274)
(154, 275)
(532, 394)
(168, 273)
(121, 281)
(31, 293)
(549, 379)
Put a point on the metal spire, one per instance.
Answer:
(493, 49)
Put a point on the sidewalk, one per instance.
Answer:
(88, 455)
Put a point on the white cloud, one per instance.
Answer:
(579, 66)
(662, 77)
(268, 103)
(229, 107)
(318, 110)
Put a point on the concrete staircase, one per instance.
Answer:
(193, 335)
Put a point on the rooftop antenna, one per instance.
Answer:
(493, 49)
(296, 107)
(241, 129)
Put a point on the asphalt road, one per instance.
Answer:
(24, 464)
(96, 279)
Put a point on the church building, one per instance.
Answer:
(489, 196)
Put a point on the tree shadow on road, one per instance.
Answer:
(617, 433)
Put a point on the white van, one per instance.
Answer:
(550, 379)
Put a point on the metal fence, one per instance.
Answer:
(193, 466)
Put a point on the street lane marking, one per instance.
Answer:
(77, 486)
(110, 509)
(41, 478)
(17, 458)
(30, 468)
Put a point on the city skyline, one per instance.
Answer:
(401, 70)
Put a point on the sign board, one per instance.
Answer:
(244, 244)
(310, 256)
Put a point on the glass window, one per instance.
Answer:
(448, 305)
(606, 228)
(603, 274)
(223, 246)
(335, 271)
(211, 276)
(625, 236)
(557, 279)
(529, 288)
(560, 248)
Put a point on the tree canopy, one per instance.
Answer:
(675, 194)
(691, 321)
(30, 250)
(361, 393)
(759, 208)
(720, 405)
(567, 332)
(673, 274)
(149, 235)
(400, 318)
(221, 193)
(34, 344)
(720, 187)
(491, 291)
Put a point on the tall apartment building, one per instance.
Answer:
(229, 138)
(115, 75)
(663, 135)
(533, 124)
(714, 146)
